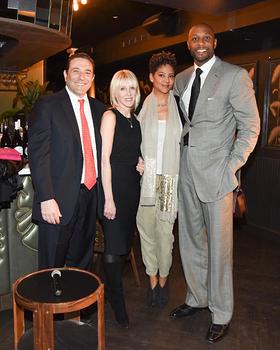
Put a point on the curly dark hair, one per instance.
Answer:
(162, 58)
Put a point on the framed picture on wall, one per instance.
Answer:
(252, 69)
(8, 82)
(271, 111)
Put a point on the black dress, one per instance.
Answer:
(118, 233)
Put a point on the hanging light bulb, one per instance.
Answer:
(77, 2)
(75, 5)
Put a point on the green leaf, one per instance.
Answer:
(27, 94)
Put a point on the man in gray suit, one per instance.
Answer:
(221, 130)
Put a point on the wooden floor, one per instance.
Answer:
(256, 321)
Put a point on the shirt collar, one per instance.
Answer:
(206, 66)
(74, 97)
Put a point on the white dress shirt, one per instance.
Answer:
(205, 70)
(76, 107)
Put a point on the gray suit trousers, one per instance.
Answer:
(205, 239)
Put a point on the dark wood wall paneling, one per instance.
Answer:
(262, 187)
(261, 174)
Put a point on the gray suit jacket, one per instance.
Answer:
(224, 128)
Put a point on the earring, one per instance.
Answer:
(152, 81)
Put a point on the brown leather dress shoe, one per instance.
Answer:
(217, 332)
(183, 311)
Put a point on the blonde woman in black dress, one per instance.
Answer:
(121, 139)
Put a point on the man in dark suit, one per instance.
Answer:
(221, 130)
(64, 157)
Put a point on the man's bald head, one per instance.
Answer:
(201, 43)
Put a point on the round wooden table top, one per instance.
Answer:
(75, 284)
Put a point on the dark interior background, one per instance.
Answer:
(256, 45)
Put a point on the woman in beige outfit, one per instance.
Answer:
(161, 133)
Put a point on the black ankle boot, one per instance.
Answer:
(153, 296)
(163, 295)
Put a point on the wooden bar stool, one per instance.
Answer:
(35, 292)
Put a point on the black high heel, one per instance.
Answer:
(113, 265)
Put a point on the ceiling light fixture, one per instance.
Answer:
(76, 4)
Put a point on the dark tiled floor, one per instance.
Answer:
(255, 325)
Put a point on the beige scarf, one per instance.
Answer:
(167, 202)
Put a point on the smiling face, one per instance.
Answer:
(201, 43)
(125, 95)
(79, 76)
(163, 79)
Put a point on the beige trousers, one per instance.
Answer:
(157, 239)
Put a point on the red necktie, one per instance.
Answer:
(90, 172)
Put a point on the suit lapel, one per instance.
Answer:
(185, 82)
(208, 88)
(95, 121)
(70, 116)
(92, 108)
(96, 130)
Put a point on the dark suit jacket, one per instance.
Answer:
(55, 152)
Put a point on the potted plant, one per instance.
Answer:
(27, 94)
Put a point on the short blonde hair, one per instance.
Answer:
(120, 77)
